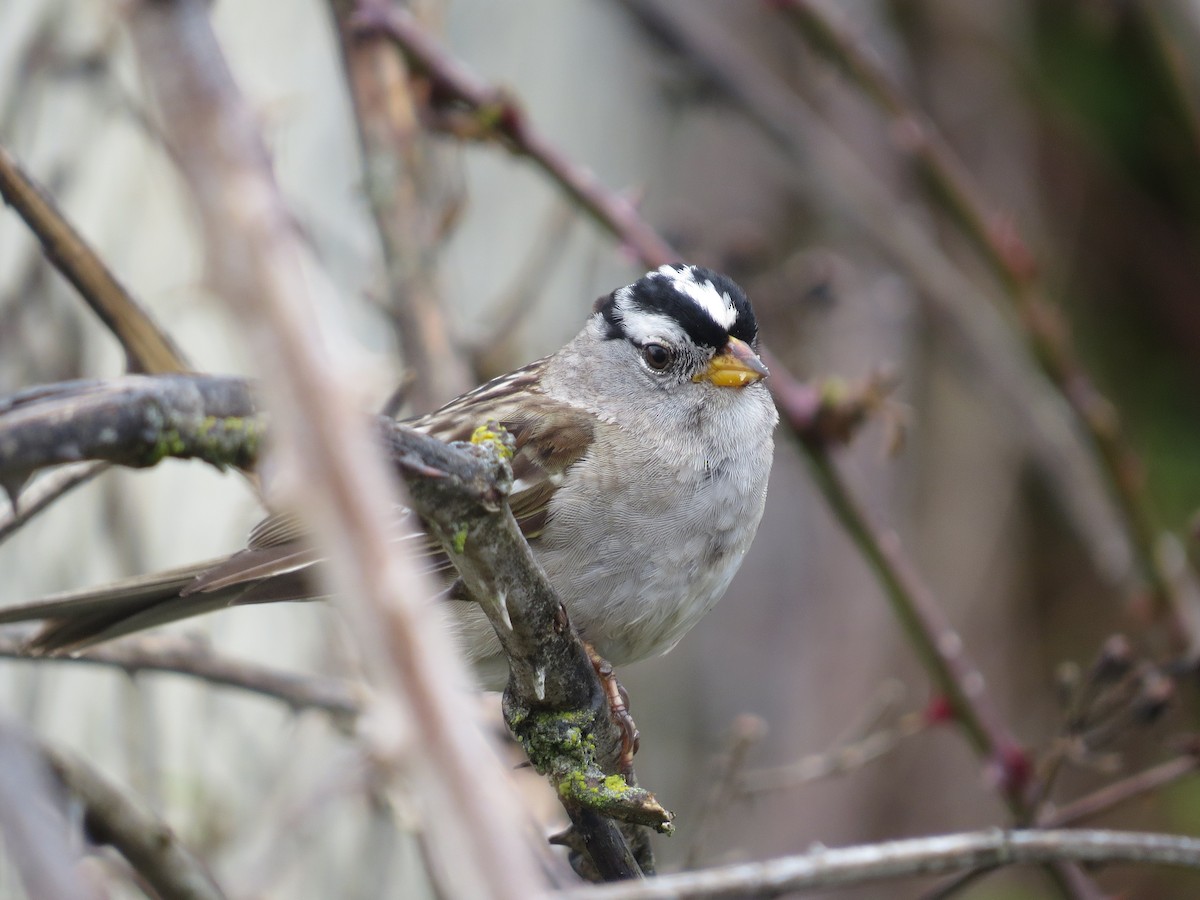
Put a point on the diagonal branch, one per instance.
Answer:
(396, 169)
(148, 348)
(37, 778)
(926, 625)
(498, 116)
(259, 266)
(1043, 324)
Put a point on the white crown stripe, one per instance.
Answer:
(718, 306)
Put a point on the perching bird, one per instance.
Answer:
(642, 453)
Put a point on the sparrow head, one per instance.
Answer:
(687, 323)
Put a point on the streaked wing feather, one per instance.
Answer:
(255, 564)
(550, 436)
(275, 530)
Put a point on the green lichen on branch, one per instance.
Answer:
(612, 796)
(561, 746)
(219, 441)
(136, 420)
(460, 539)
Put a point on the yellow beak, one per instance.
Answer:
(735, 366)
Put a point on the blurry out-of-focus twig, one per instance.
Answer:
(948, 179)
(848, 757)
(515, 300)
(42, 493)
(824, 869)
(925, 623)
(34, 827)
(397, 175)
(111, 817)
(1043, 323)
(185, 656)
(38, 781)
(1174, 38)
(746, 732)
(497, 115)
(790, 123)
(1113, 795)
(1117, 695)
(147, 347)
(257, 264)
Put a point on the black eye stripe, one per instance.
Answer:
(658, 294)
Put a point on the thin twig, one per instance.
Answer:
(195, 659)
(148, 348)
(42, 493)
(847, 757)
(1043, 323)
(397, 175)
(499, 116)
(492, 345)
(930, 632)
(112, 817)
(747, 731)
(1112, 795)
(34, 826)
(872, 863)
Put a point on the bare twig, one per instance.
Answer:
(397, 172)
(929, 630)
(1112, 795)
(872, 863)
(492, 344)
(348, 499)
(147, 347)
(498, 116)
(195, 659)
(847, 757)
(111, 817)
(1044, 326)
(43, 492)
(747, 731)
(34, 826)
(35, 780)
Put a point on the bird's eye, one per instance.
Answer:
(657, 356)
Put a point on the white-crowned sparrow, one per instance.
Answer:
(642, 453)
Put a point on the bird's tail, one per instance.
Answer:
(76, 620)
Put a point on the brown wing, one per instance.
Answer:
(550, 437)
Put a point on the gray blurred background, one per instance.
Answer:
(1076, 119)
